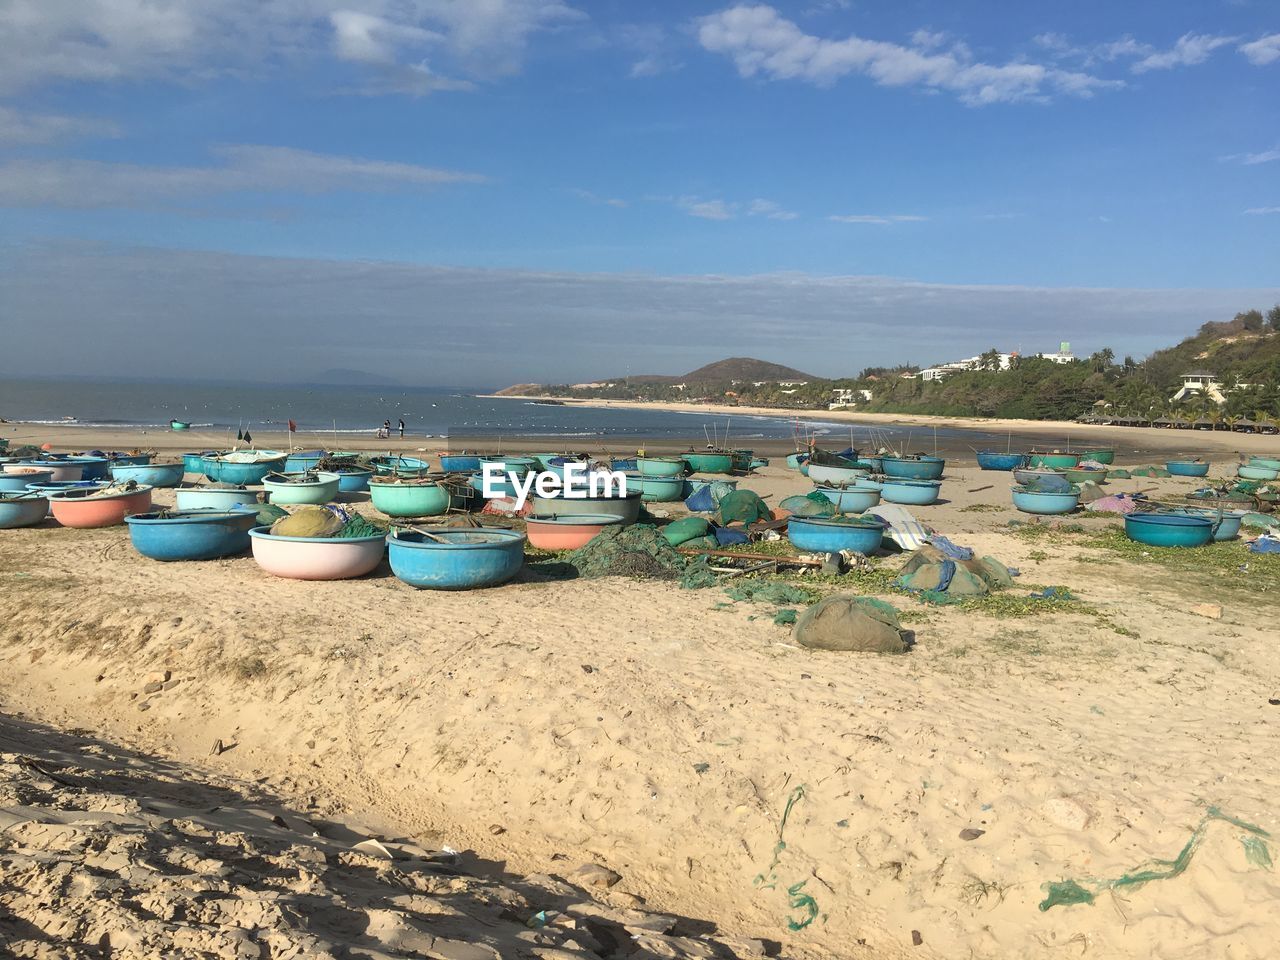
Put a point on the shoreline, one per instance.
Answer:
(1158, 438)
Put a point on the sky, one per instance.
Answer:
(491, 191)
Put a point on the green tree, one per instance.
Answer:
(1273, 319)
(1251, 320)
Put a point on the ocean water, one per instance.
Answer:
(358, 411)
(353, 410)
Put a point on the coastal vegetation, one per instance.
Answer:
(1243, 353)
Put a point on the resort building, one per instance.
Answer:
(1200, 382)
(1003, 362)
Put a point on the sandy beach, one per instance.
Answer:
(903, 428)
(757, 797)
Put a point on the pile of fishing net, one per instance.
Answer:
(638, 550)
(705, 495)
(326, 522)
(1150, 472)
(742, 506)
(946, 576)
(811, 504)
(846, 622)
(1047, 483)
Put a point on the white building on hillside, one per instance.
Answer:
(1201, 382)
(1003, 360)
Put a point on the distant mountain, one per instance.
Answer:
(356, 378)
(722, 371)
(743, 368)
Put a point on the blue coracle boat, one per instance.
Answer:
(990, 460)
(455, 559)
(191, 534)
(818, 535)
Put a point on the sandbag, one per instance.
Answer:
(680, 532)
(313, 522)
(846, 622)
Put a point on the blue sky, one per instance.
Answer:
(828, 184)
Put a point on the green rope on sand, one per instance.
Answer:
(1070, 892)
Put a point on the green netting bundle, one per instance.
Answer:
(809, 506)
(742, 506)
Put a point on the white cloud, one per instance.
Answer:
(876, 218)
(1262, 211)
(47, 41)
(770, 209)
(595, 198)
(763, 43)
(91, 183)
(1191, 49)
(1253, 159)
(17, 127)
(1126, 46)
(706, 209)
(928, 39)
(1262, 51)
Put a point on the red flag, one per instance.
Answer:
(293, 427)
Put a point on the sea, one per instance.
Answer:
(429, 412)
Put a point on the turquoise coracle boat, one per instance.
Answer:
(913, 468)
(1168, 529)
(1034, 501)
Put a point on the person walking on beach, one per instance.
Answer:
(402, 428)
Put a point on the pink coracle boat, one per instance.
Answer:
(58, 469)
(316, 558)
(88, 508)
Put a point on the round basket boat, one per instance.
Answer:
(1168, 529)
(242, 471)
(300, 461)
(59, 486)
(818, 535)
(990, 460)
(1226, 522)
(851, 499)
(418, 499)
(215, 498)
(709, 462)
(1032, 501)
(1270, 463)
(127, 459)
(1104, 455)
(455, 559)
(353, 479)
(91, 508)
(914, 492)
(1188, 468)
(19, 480)
(567, 532)
(517, 466)
(662, 466)
(152, 474)
(91, 468)
(459, 462)
(58, 469)
(1085, 474)
(656, 489)
(301, 488)
(1054, 461)
(1251, 471)
(190, 534)
(316, 558)
(796, 460)
(23, 509)
(827, 474)
(626, 506)
(912, 468)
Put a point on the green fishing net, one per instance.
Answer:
(359, 526)
(770, 591)
(1071, 892)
